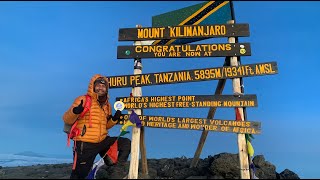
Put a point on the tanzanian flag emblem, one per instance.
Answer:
(207, 13)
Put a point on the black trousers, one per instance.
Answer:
(87, 152)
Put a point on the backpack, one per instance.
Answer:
(72, 130)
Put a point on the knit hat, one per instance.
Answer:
(100, 80)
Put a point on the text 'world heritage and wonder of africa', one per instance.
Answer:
(199, 124)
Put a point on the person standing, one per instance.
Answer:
(93, 126)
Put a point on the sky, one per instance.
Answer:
(50, 50)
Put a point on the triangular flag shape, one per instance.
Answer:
(96, 166)
(251, 136)
(113, 152)
(134, 118)
(123, 133)
(250, 149)
(247, 137)
(238, 115)
(253, 168)
(126, 125)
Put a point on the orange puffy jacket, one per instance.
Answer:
(99, 122)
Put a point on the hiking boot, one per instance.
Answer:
(108, 161)
(102, 173)
(118, 171)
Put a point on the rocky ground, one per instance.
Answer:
(221, 166)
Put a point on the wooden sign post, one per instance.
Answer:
(135, 142)
(138, 140)
(242, 145)
(211, 113)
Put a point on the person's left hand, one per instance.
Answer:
(117, 116)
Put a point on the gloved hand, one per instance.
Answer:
(117, 116)
(78, 109)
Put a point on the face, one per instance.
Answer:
(100, 89)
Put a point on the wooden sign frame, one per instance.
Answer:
(184, 32)
(188, 123)
(193, 75)
(189, 101)
(184, 50)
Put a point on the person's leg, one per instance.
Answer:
(124, 146)
(119, 169)
(104, 147)
(86, 154)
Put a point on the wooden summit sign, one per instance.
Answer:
(196, 31)
(185, 50)
(189, 101)
(218, 125)
(193, 75)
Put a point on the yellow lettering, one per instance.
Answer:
(217, 30)
(207, 53)
(156, 32)
(172, 33)
(261, 68)
(257, 70)
(198, 48)
(269, 69)
(140, 33)
(156, 78)
(188, 31)
(228, 47)
(212, 31)
(223, 30)
(200, 31)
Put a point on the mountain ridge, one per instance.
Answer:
(220, 166)
(29, 154)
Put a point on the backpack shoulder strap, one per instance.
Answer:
(87, 107)
(74, 131)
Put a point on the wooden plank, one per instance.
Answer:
(184, 50)
(135, 141)
(211, 113)
(143, 151)
(193, 75)
(197, 154)
(196, 31)
(242, 145)
(189, 101)
(217, 125)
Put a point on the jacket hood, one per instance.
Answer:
(91, 86)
